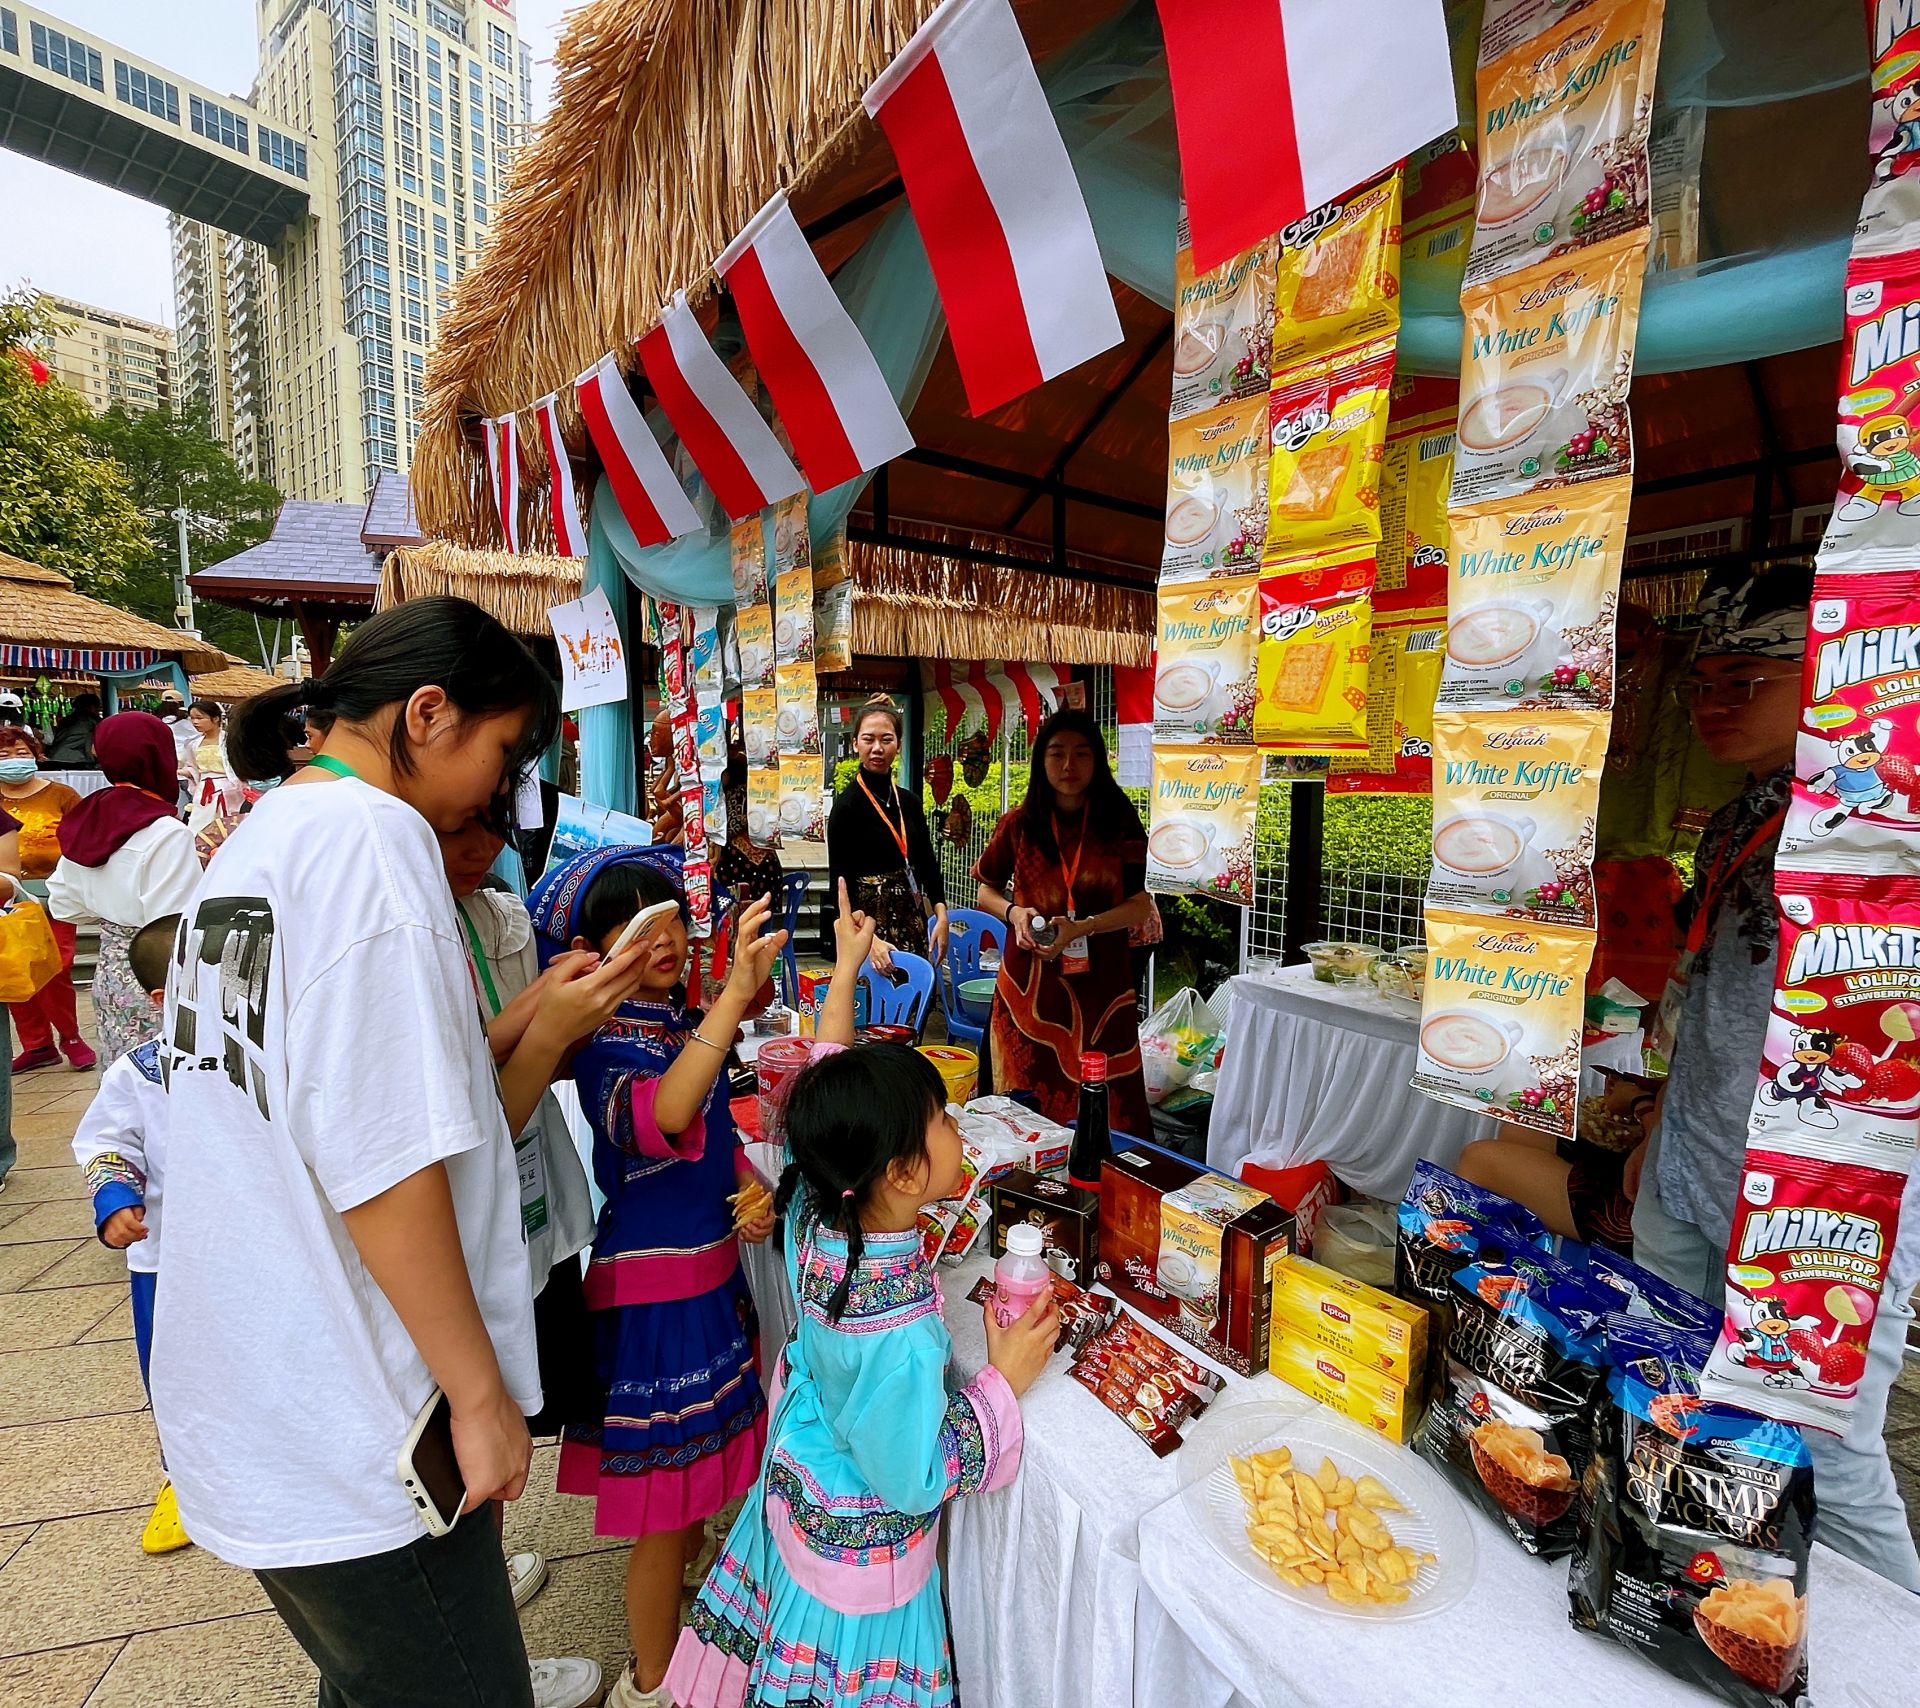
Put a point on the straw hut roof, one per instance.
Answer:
(39, 609)
(236, 681)
(519, 590)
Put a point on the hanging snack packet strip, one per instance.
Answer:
(1337, 276)
(1856, 791)
(1205, 800)
(1516, 797)
(1841, 1062)
(1415, 475)
(1223, 327)
(1563, 136)
(1694, 1541)
(1533, 593)
(1876, 515)
(1216, 520)
(1316, 619)
(1807, 1263)
(1403, 671)
(1327, 425)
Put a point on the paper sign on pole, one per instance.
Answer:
(593, 663)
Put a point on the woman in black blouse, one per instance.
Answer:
(877, 840)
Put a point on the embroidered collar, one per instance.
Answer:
(893, 1284)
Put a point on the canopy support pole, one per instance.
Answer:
(1306, 847)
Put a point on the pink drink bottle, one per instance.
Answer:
(1020, 1276)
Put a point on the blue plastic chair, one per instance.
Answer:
(970, 932)
(796, 885)
(901, 1000)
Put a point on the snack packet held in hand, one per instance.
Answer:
(1694, 1538)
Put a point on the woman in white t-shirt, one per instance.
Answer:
(345, 1222)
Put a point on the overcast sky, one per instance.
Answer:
(73, 237)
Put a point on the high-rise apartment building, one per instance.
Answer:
(409, 110)
(109, 358)
(201, 362)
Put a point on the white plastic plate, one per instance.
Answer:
(1435, 1522)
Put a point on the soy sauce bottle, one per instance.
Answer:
(1093, 1129)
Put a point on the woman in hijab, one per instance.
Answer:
(126, 858)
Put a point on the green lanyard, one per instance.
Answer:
(479, 956)
(339, 767)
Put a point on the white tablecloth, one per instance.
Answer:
(85, 782)
(1206, 1638)
(1320, 1073)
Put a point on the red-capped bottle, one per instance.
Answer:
(1093, 1129)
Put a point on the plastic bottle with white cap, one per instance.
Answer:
(1020, 1276)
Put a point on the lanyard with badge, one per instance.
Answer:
(527, 1159)
(1713, 890)
(897, 831)
(1073, 958)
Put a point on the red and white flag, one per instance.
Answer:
(641, 479)
(1133, 712)
(996, 201)
(569, 538)
(1347, 87)
(503, 475)
(717, 422)
(823, 379)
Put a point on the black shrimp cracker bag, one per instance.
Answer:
(1695, 1525)
(1512, 1422)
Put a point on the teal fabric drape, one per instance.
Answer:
(606, 732)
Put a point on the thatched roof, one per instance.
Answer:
(39, 609)
(519, 590)
(238, 681)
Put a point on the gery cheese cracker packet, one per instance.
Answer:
(1216, 521)
(1403, 672)
(1545, 368)
(1813, 1237)
(1315, 629)
(1876, 514)
(1856, 788)
(1223, 328)
(1841, 1059)
(1337, 275)
(1695, 1528)
(1415, 474)
(1532, 594)
(1501, 1016)
(1327, 441)
(1516, 796)
(1564, 119)
(1203, 685)
(1201, 838)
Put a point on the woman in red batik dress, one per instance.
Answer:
(1075, 854)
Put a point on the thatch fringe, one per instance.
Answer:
(921, 604)
(38, 607)
(519, 590)
(238, 681)
(672, 123)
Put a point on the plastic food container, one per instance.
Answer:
(775, 1069)
(1402, 977)
(1340, 962)
(976, 999)
(959, 1069)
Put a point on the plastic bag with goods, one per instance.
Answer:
(1180, 1038)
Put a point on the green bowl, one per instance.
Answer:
(976, 998)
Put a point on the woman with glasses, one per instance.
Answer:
(877, 840)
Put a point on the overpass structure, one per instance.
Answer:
(78, 102)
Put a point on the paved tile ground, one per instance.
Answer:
(88, 1621)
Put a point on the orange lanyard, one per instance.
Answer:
(1720, 876)
(1069, 873)
(899, 832)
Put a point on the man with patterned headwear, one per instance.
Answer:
(1744, 694)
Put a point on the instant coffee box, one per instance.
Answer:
(1067, 1216)
(1193, 1251)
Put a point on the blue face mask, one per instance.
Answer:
(18, 770)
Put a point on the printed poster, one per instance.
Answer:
(593, 663)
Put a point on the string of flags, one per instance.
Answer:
(1007, 234)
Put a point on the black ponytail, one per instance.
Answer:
(850, 1116)
(438, 642)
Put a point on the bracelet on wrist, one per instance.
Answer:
(697, 1038)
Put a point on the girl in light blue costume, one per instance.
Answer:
(827, 1589)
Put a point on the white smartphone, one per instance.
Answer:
(429, 1472)
(641, 923)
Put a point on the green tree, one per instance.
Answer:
(171, 461)
(61, 504)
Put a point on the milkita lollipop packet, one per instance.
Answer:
(1841, 1060)
(1890, 211)
(1876, 514)
(1807, 1263)
(1856, 790)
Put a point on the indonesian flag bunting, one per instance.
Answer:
(569, 538)
(1348, 87)
(1133, 712)
(717, 422)
(823, 379)
(642, 481)
(996, 201)
(503, 474)
(949, 699)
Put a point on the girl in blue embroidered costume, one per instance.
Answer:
(674, 1325)
(826, 1594)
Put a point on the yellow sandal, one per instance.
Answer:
(164, 1532)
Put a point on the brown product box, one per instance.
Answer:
(1344, 1316)
(1348, 1386)
(1194, 1251)
(1067, 1216)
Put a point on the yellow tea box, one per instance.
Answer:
(1342, 1383)
(1360, 1323)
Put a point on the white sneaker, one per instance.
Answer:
(572, 1681)
(528, 1574)
(626, 1693)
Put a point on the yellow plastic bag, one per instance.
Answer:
(29, 957)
